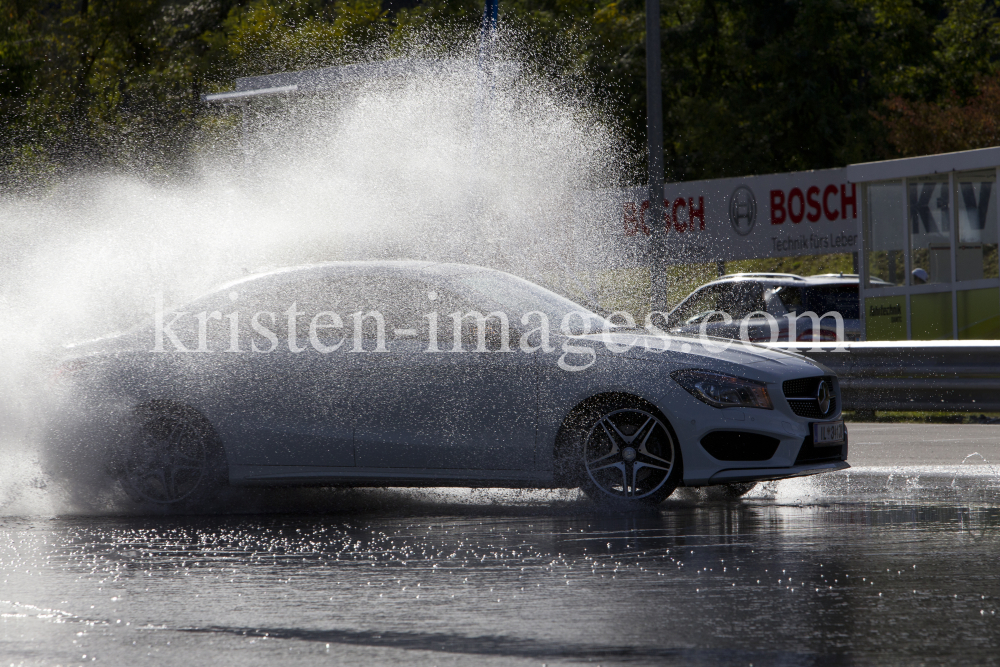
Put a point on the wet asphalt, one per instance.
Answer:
(875, 565)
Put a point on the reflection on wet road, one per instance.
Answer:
(475, 578)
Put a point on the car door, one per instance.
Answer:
(288, 403)
(424, 409)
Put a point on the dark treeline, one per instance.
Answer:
(750, 86)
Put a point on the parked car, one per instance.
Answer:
(357, 374)
(718, 308)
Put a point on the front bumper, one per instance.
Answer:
(778, 442)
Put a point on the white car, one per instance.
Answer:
(412, 373)
(786, 298)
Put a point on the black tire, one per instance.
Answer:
(621, 451)
(170, 457)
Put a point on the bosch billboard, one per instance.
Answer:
(798, 213)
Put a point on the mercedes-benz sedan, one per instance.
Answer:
(408, 373)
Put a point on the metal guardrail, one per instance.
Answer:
(961, 376)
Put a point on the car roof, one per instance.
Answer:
(413, 267)
(761, 275)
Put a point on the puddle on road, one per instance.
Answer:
(453, 577)
(28, 493)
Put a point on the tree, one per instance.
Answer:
(953, 101)
(101, 80)
(750, 86)
(923, 128)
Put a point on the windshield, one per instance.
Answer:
(820, 299)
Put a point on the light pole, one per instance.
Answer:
(654, 141)
(490, 15)
(487, 32)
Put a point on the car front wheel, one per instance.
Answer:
(623, 452)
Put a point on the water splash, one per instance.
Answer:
(447, 164)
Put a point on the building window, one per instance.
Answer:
(886, 230)
(976, 253)
(930, 230)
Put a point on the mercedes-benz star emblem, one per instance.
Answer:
(824, 397)
(742, 210)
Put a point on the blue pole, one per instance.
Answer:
(490, 16)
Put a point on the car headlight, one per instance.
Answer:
(724, 391)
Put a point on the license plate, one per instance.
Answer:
(828, 432)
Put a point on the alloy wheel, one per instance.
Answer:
(629, 453)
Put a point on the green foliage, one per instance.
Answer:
(758, 86)
(262, 37)
(918, 127)
(99, 80)
(750, 86)
(802, 265)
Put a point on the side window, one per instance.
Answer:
(259, 310)
(741, 299)
(405, 305)
(265, 309)
(343, 295)
(402, 302)
(412, 304)
(840, 298)
(780, 301)
(386, 302)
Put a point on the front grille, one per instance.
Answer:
(801, 388)
(801, 395)
(740, 446)
(810, 453)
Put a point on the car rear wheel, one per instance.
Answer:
(621, 451)
(171, 457)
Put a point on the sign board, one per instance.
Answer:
(885, 318)
(778, 215)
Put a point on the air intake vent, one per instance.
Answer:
(810, 409)
(802, 397)
(739, 446)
